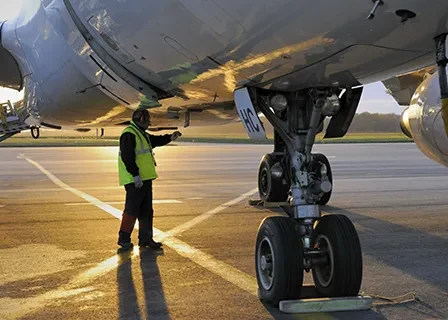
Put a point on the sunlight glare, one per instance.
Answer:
(9, 9)
(10, 94)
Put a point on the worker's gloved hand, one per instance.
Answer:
(176, 135)
(138, 182)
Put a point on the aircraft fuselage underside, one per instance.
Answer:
(98, 58)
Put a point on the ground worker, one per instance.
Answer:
(137, 170)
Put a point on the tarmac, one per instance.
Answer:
(59, 210)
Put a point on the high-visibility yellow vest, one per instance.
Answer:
(143, 157)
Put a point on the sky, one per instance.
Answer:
(9, 8)
(374, 98)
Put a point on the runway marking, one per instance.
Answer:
(190, 224)
(235, 276)
(159, 186)
(167, 201)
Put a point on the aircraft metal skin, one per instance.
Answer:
(89, 63)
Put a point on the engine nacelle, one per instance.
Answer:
(422, 121)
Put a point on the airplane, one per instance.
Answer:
(85, 64)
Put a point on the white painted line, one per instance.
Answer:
(113, 211)
(18, 308)
(190, 224)
(160, 185)
(233, 275)
(236, 277)
(167, 201)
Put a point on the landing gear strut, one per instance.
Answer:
(304, 241)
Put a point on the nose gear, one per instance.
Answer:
(304, 241)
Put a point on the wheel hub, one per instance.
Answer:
(264, 182)
(325, 271)
(265, 263)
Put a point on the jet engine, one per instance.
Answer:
(422, 121)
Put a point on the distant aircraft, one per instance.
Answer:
(85, 64)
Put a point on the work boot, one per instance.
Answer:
(150, 243)
(145, 233)
(124, 240)
(126, 227)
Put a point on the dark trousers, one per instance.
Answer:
(139, 205)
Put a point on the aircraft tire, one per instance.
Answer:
(270, 189)
(279, 260)
(341, 275)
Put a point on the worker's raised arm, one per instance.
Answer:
(159, 141)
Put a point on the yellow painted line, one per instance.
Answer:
(14, 308)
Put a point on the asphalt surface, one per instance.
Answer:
(58, 233)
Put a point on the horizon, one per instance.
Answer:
(374, 99)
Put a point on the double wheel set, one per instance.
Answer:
(282, 254)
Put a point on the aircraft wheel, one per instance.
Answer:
(279, 260)
(270, 189)
(318, 157)
(339, 274)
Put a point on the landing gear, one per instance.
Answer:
(304, 241)
(279, 260)
(337, 271)
(271, 186)
(325, 175)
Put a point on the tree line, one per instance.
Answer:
(375, 122)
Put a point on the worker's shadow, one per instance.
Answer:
(153, 300)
